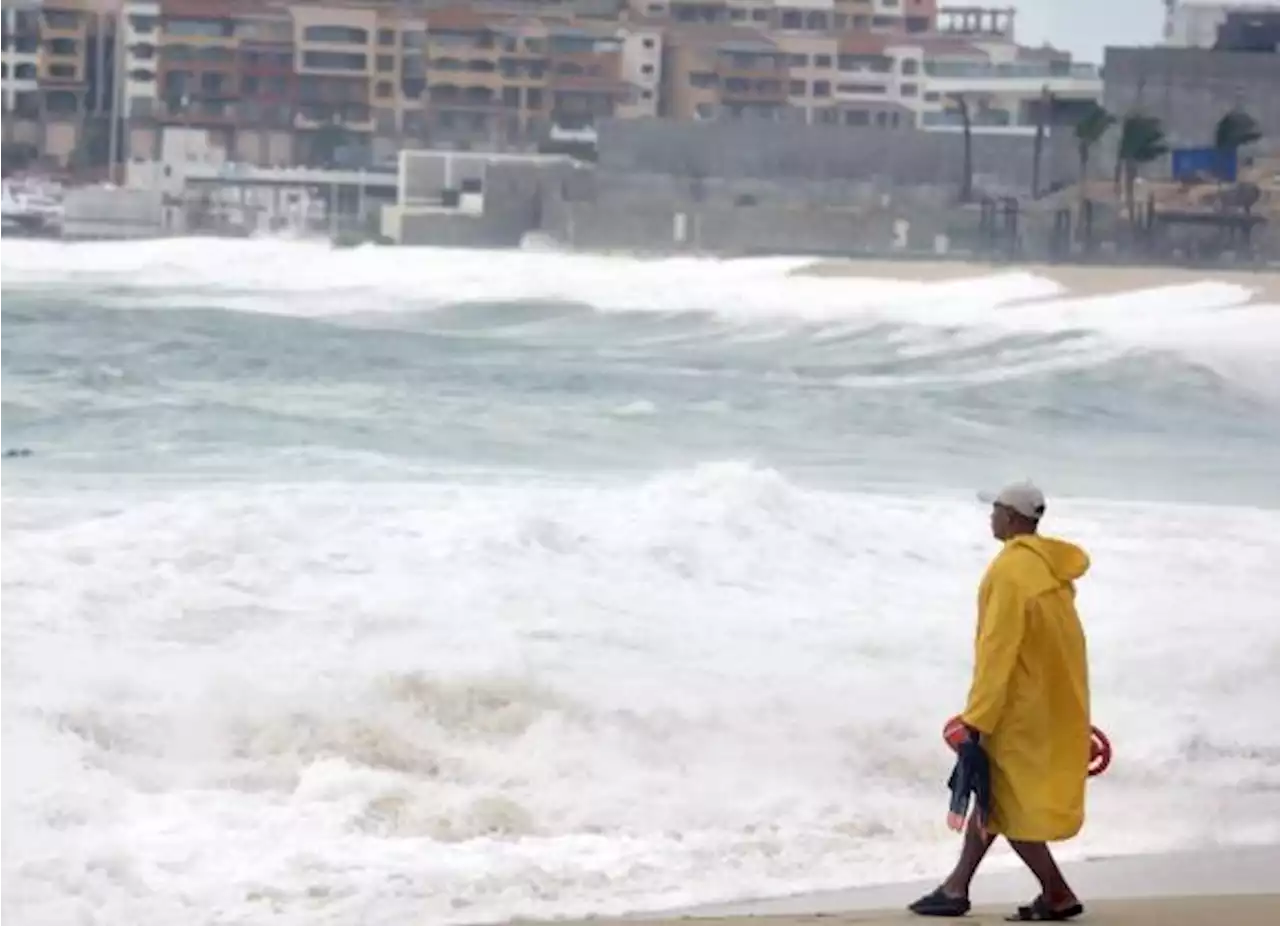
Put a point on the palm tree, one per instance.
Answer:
(966, 182)
(1093, 125)
(1235, 130)
(1037, 152)
(1142, 140)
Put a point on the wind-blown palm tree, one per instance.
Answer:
(1093, 125)
(966, 182)
(1089, 130)
(1037, 150)
(1235, 130)
(1142, 140)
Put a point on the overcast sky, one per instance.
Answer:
(1085, 27)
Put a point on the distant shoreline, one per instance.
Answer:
(1077, 279)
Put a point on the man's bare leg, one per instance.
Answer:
(976, 844)
(1056, 892)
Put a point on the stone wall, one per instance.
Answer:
(108, 212)
(514, 194)
(655, 213)
(891, 158)
(1190, 89)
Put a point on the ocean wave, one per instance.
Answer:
(559, 697)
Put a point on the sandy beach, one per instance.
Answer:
(1220, 887)
(1077, 279)
(1257, 910)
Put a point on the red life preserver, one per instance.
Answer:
(954, 732)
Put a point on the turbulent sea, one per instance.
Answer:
(425, 587)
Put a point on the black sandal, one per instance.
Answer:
(1039, 911)
(940, 903)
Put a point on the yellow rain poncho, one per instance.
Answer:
(1030, 691)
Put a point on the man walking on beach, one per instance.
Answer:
(1028, 708)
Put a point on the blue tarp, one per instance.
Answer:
(1188, 162)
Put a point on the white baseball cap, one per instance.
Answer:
(1022, 497)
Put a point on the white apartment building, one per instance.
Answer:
(917, 81)
(904, 79)
(641, 68)
(1194, 23)
(21, 55)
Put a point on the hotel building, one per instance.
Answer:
(351, 82)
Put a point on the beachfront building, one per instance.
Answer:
(349, 83)
(502, 82)
(793, 66)
(1195, 23)
(355, 82)
(59, 71)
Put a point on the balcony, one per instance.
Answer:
(190, 112)
(742, 90)
(266, 62)
(1022, 77)
(352, 117)
(989, 122)
(66, 23)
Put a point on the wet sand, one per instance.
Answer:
(1218, 887)
(1076, 279)
(1257, 910)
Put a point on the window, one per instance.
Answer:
(798, 61)
(334, 61)
(646, 70)
(910, 66)
(910, 90)
(821, 88)
(386, 36)
(143, 51)
(792, 19)
(143, 25)
(62, 46)
(62, 71)
(647, 43)
(822, 61)
(205, 28)
(61, 19)
(383, 89)
(386, 63)
(249, 86)
(702, 80)
(797, 88)
(337, 35)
